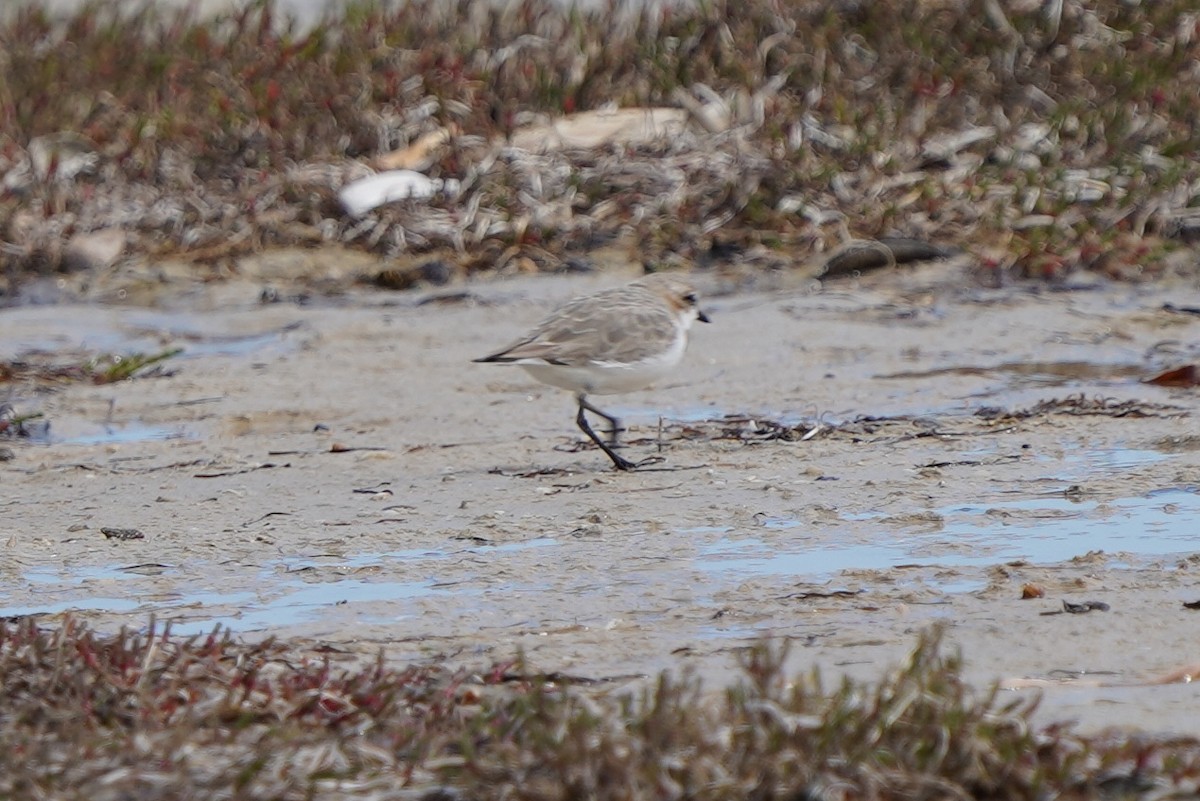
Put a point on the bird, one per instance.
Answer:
(617, 340)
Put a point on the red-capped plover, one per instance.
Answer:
(618, 340)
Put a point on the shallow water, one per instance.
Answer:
(1040, 530)
(121, 433)
(284, 592)
(295, 590)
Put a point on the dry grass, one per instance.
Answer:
(1042, 142)
(149, 716)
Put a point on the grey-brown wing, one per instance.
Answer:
(625, 331)
(606, 327)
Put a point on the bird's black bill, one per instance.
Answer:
(702, 317)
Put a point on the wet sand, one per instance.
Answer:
(341, 473)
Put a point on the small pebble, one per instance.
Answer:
(122, 534)
(436, 272)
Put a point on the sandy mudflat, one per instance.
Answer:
(340, 472)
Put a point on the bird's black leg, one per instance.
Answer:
(614, 423)
(619, 461)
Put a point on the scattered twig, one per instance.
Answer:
(239, 471)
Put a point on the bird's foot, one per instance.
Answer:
(621, 463)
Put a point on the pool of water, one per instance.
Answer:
(286, 591)
(120, 434)
(1040, 530)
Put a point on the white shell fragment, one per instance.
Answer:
(94, 250)
(361, 196)
(60, 156)
(590, 129)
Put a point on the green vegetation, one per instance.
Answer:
(109, 369)
(105, 368)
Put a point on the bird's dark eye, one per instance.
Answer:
(690, 298)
